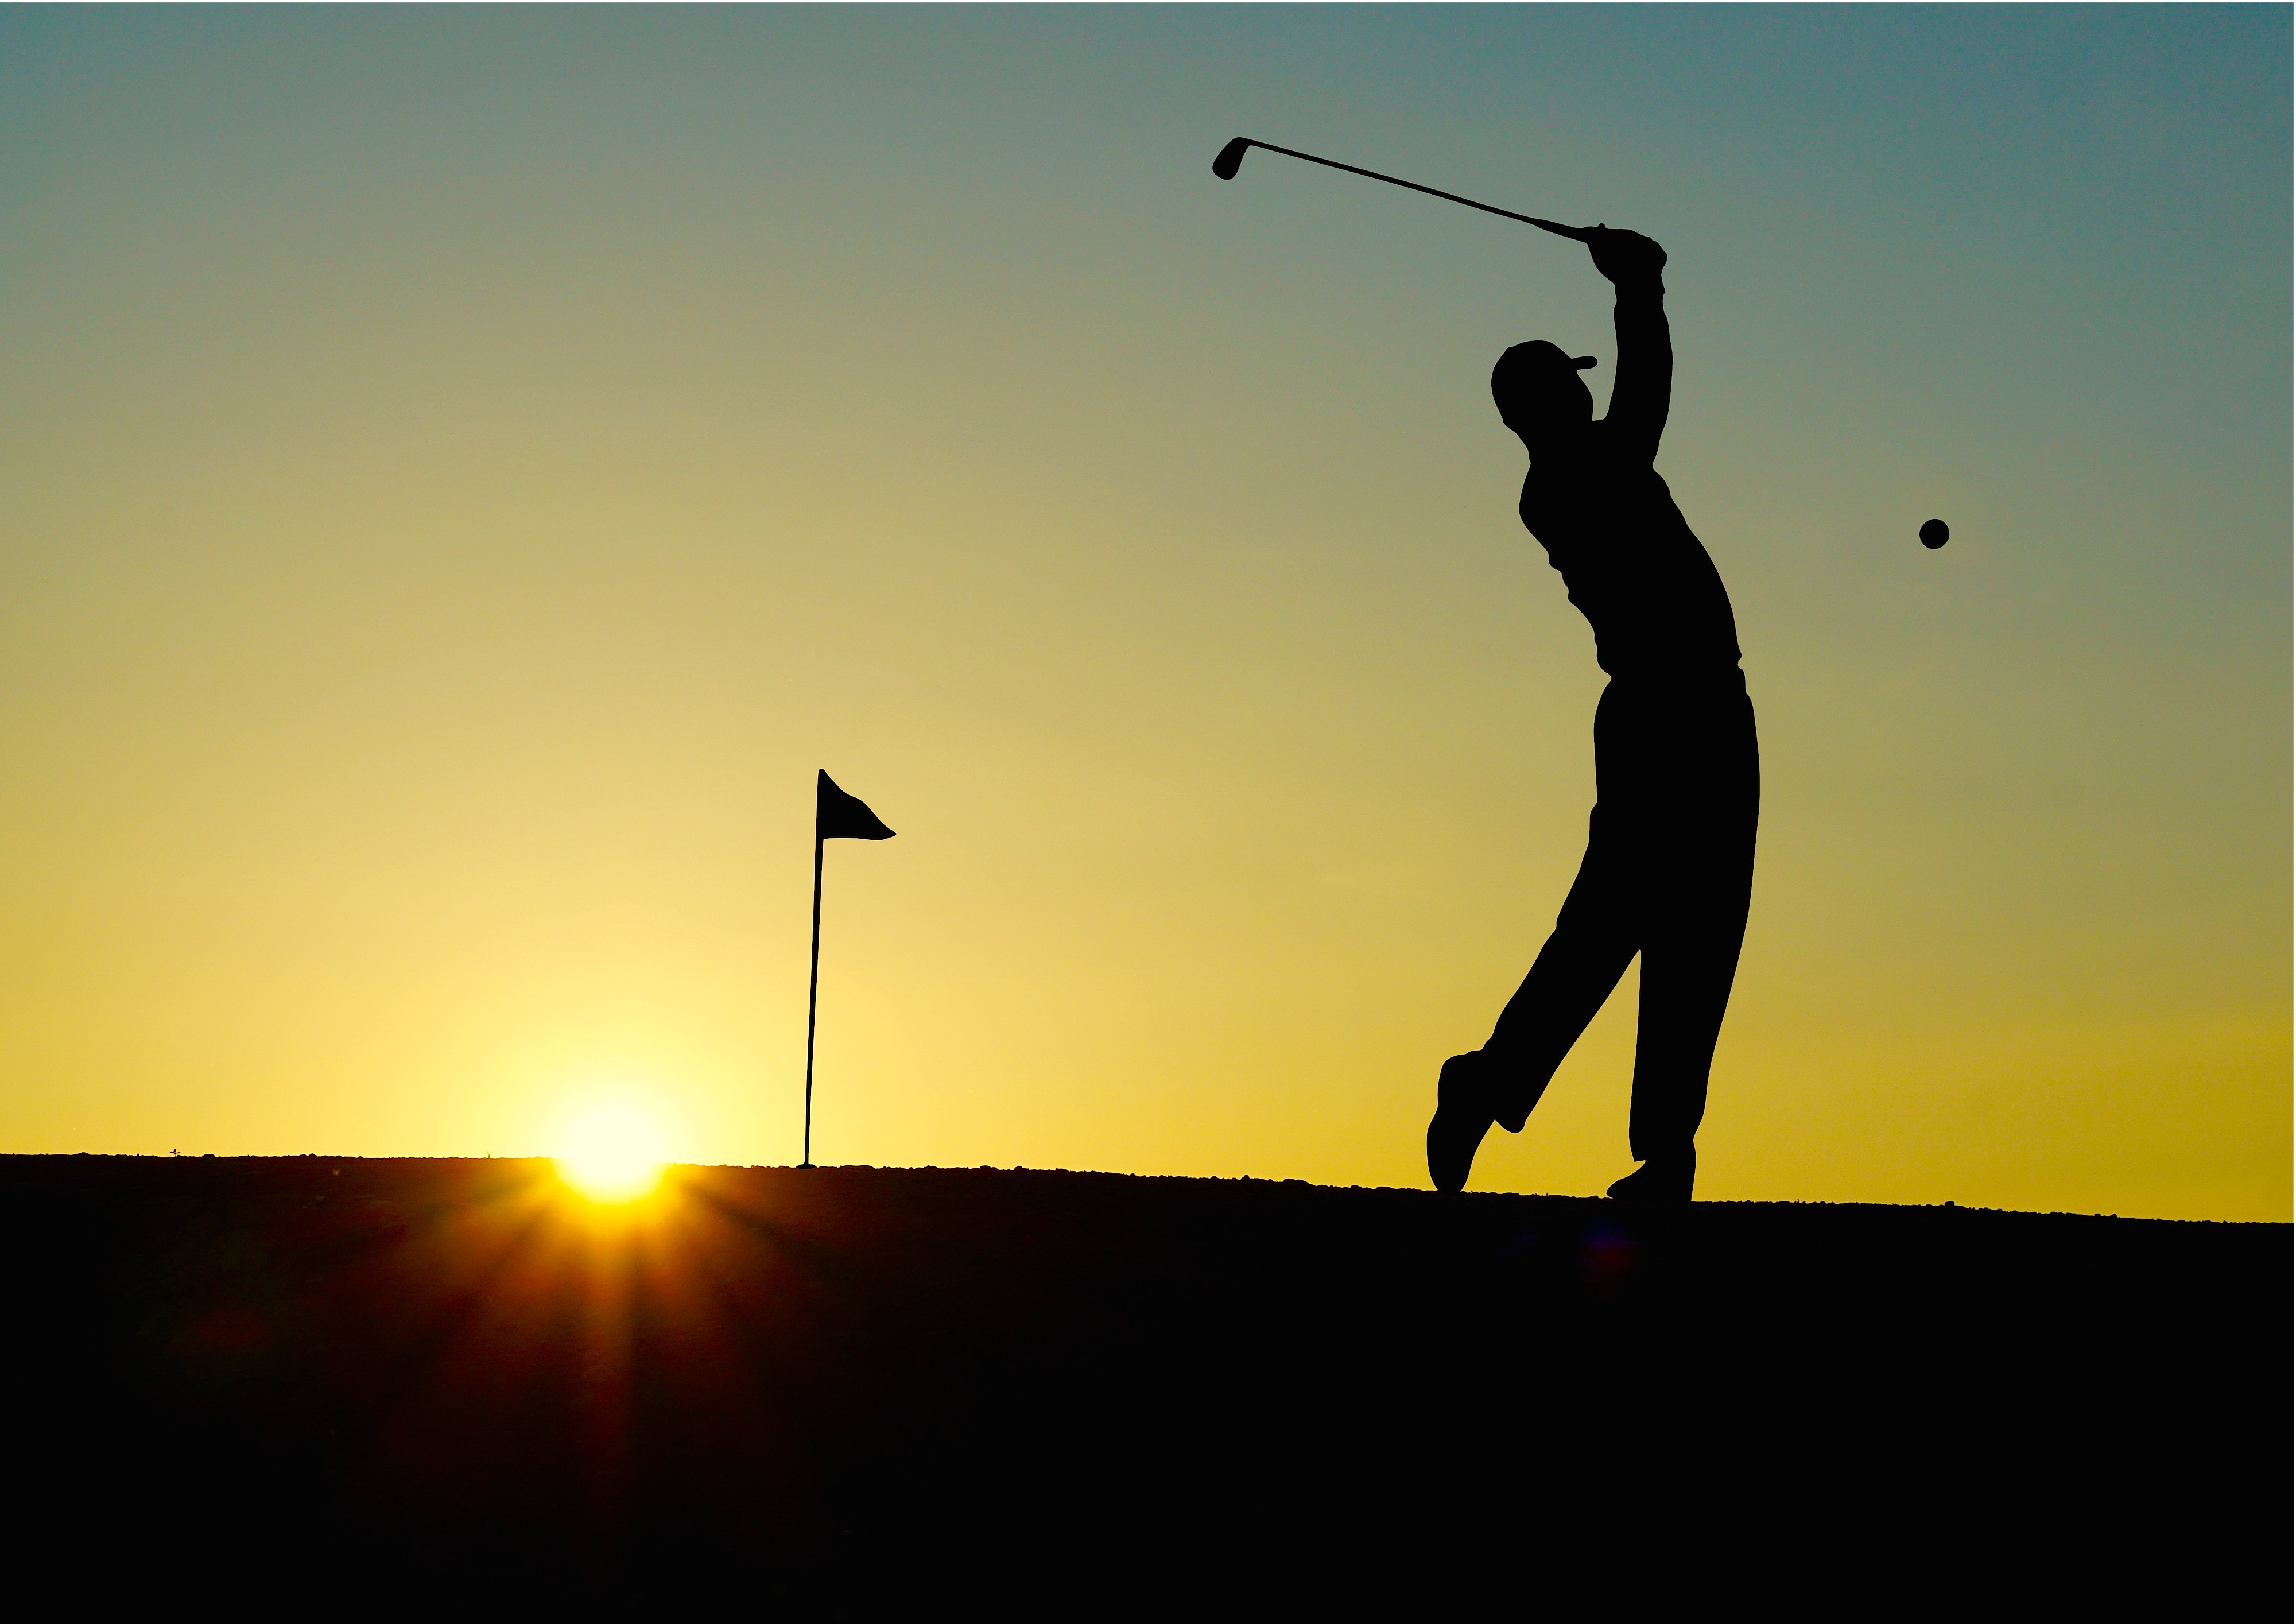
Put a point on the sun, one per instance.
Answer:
(612, 1153)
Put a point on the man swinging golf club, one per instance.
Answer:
(1669, 863)
(1670, 859)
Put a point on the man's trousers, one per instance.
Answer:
(1669, 871)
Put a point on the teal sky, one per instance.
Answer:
(462, 471)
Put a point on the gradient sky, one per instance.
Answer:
(461, 472)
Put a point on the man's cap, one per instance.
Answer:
(1540, 354)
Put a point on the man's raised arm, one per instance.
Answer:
(1644, 381)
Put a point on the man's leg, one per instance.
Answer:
(1592, 943)
(1595, 939)
(1698, 900)
(1687, 969)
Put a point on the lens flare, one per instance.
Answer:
(612, 1154)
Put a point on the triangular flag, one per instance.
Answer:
(839, 817)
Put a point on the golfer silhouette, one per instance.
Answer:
(1669, 862)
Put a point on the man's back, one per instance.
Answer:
(1630, 563)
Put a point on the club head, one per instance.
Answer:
(1230, 159)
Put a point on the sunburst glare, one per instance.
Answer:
(612, 1153)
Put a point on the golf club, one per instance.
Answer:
(1230, 158)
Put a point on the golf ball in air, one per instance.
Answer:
(1934, 535)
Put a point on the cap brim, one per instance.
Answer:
(1582, 362)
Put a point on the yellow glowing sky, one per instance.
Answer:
(462, 474)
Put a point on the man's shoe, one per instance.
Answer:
(1463, 1114)
(1662, 1181)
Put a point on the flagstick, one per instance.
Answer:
(812, 995)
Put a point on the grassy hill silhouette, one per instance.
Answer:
(852, 1387)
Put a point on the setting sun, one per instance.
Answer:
(612, 1153)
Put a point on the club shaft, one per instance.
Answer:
(1576, 233)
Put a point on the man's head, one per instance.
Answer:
(1539, 392)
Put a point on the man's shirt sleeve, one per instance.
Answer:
(1640, 395)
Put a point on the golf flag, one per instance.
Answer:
(836, 817)
(839, 817)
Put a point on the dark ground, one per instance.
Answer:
(1019, 1390)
